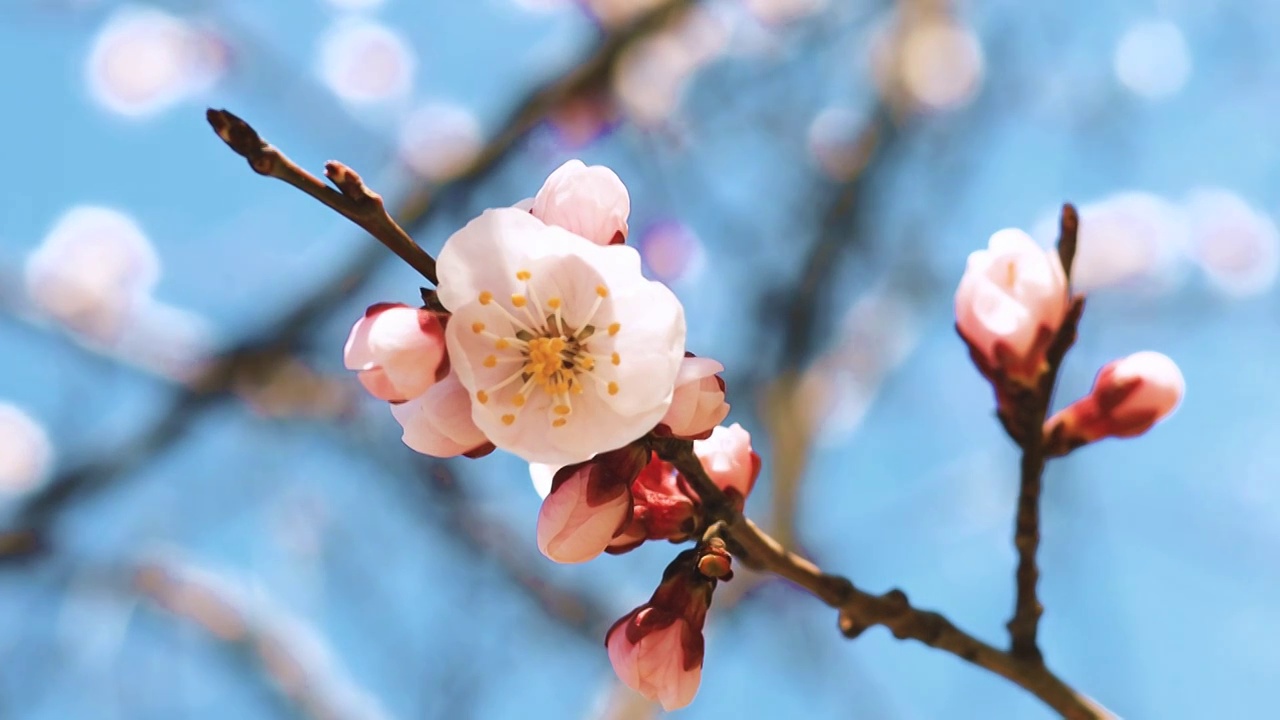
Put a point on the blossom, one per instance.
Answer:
(588, 505)
(729, 460)
(397, 350)
(589, 201)
(657, 654)
(657, 648)
(1011, 301)
(438, 422)
(566, 349)
(1129, 396)
(698, 404)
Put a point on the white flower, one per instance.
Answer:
(566, 349)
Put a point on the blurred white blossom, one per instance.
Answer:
(1152, 59)
(365, 62)
(144, 61)
(438, 140)
(92, 271)
(672, 251)
(1135, 239)
(650, 78)
(1237, 246)
(26, 455)
(941, 64)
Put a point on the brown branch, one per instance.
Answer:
(860, 610)
(353, 199)
(1031, 412)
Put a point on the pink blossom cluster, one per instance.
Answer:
(544, 339)
(1013, 305)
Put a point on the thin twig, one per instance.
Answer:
(353, 199)
(860, 610)
(1025, 623)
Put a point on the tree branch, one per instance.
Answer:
(1032, 410)
(860, 610)
(353, 199)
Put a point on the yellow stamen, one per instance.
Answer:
(616, 359)
(518, 400)
(486, 297)
(482, 397)
(518, 300)
(491, 361)
(559, 422)
(614, 328)
(613, 388)
(562, 410)
(554, 303)
(602, 291)
(502, 344)
(523, 275)
(477, 327)
(508, 419)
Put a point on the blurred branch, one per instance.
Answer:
(291, 654)
(353, 199)
(860, 610)
(270, 346)
(573, 609)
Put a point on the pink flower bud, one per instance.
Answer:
(438, 422)
(657, 648)
(397, 350)
(1129, 396)
(663, 505)
(728, 458)
(1010, 303)
(589, 504)
(698, 403)
(658, 654)
(589, 201)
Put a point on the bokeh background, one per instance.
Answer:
(203, 517)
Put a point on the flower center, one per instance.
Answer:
(553, 357)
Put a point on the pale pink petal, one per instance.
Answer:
(1009, 295)
(660, 666)
(409, 345)
(375, 380)
(1160, 389)
(588, 201)
(698, 403)
(357, 355)
(624, 655)
(438, 422)
(570, 528)
(397, 349)
(728, 458)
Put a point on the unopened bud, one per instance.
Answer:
(1129, 396)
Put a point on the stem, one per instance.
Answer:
(860, 610)
(1027, 610)
(1026, 538)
